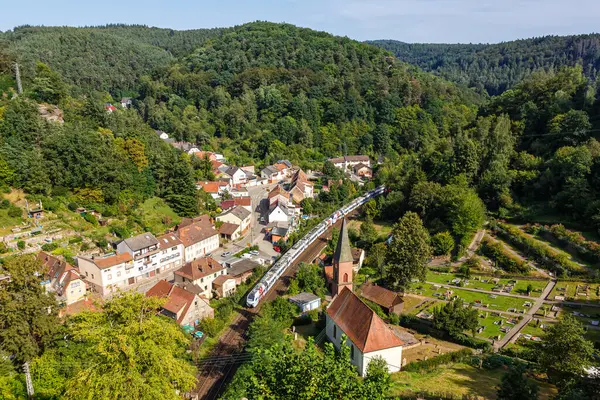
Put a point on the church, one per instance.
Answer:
(367, 335)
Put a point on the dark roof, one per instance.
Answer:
(279, 231)
(270, 170)
(199, 268)
(343, 252)
(240, 212)
(141, 241)
(361, 324)
(196, 232)
(220, 280)
(359, 166)
(241, 267)
(304, 298)
(232, 170)
(167, 241)
(228, 228)
(379, 295)
(185, 221)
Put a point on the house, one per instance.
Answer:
(216, 164)
(306, 301)
(278, 231)
(273, 173)
(62, 278)
(109, 108)
(245, 202)
(358, 258)
(278, 195)
(366, 333)
(283, 168)
(215, 188)
(126, 102)
(224, 286)
(279, 212)
(184, 306)
(171, 252)
(201, 272)
(242, 270)
(236, 175)
(300, 187)
(230, 231)
(205, 155)
(239, 192)
(145, 252)
(203, 219)
(199, 237)
(390, 301)
(362, 170)
(162, 134)
(348, 162)
(106, 275)
(237, 215)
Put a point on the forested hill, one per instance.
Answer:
(498, 67)
(110, 58)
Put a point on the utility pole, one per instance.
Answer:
(18, 78)
(28, 380)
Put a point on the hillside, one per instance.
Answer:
(109, 58)
(498, 67)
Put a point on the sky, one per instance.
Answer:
(424, 21)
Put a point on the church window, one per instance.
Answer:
(345, 278)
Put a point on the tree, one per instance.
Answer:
(370, 209)
(368, 233)
(442, 243)
(565, 349)
(28, 315)
(465, 271)
(516, 386)
(134, 352)
(408, 252)
(376, 258)
(454, 319)
(378, 377)
(310, 278)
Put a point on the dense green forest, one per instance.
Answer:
(494, 68)
(262, 91)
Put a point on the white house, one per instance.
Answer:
(216, 189)
(201, 273)
(62, 278)
(237, 215)
(278, 196)
(145, 252)
(224, 286)
(306, 301)
(237, 175)
(162, 134)
(199, 238)
(171, 252)
(366, 333)
(107, 275)
(279, 213)
(348, 162)
(126, 102)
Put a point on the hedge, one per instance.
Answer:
(542, 253)
(432, 363)
(573, 242)
(504, 259)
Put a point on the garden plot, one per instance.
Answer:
(489, 283)
(576, 291)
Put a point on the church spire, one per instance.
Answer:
(343, 252)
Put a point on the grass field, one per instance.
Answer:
(500, 303)
(477, 282)
(383, 228)
(157, 216)
(410, 302)
(456, 380)
(568, 289)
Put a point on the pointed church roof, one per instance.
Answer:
(343, 252)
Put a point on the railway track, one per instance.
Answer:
(214, 376)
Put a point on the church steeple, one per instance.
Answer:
(342, 262)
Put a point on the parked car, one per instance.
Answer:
(253, 252)
(246, 255)
(227, 253)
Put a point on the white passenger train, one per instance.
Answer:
(277, 269)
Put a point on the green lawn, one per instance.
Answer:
(499, 303)
(455, 380)
(485, 282)
(568, 289)
(156, 216)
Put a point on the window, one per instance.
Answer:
(118, 273)
(109, 277)
(335, 332)
(352, 352)
(345, 278)
(92, 276)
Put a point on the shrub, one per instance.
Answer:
(102, 243)
(4, 204)
(120, 231)
(432, 363)
(21, 244)
(72, 206)
(84, 247)
(76, 239)
(442, 243)
(91, 219)
(14, 212)
(49, 246)
(502, 257)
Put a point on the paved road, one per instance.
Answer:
(513, 334)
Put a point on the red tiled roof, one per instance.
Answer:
(196, 232)
(111, 261)
(278, 190)
(202, 154)
(379, 295)
(211, 187)
(228, 228)
(80, 306)
(280, 167)
(328, 273)
(362, 325)
(199, 268)
(220, 280)
(179, 300)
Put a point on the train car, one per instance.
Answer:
(278, 268)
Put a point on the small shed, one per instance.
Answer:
(306, 301)
(224, 285)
